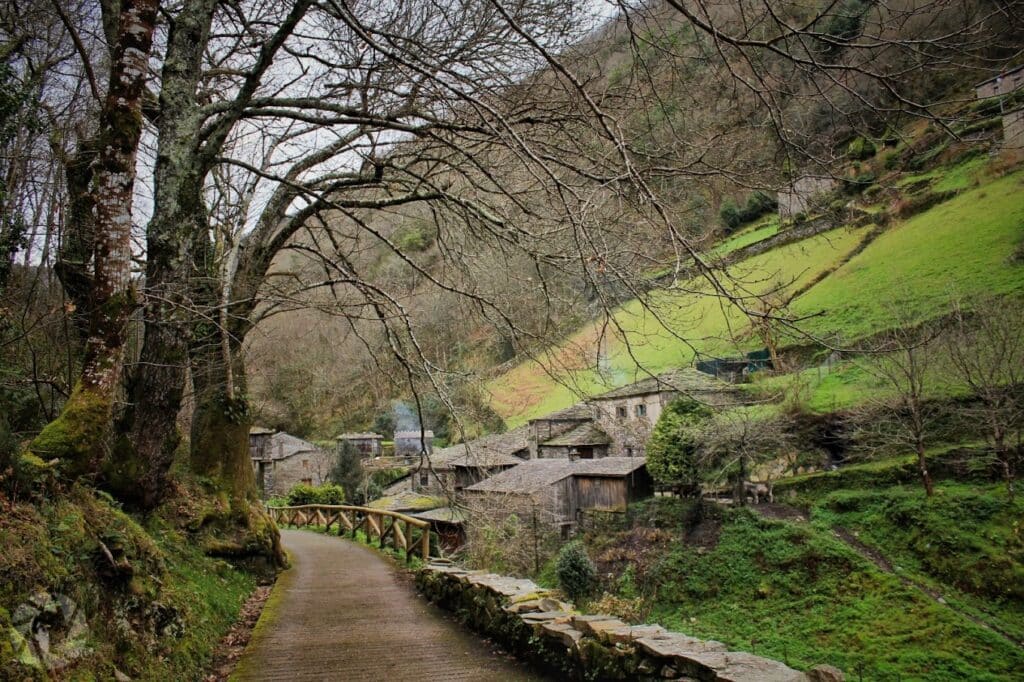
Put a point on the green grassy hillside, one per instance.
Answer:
(880, 581)
(965, 246)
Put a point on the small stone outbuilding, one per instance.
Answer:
(412, 443)
(282, 461)
(557, 491)
(1002, 84)
(797, 196)
(366, 444)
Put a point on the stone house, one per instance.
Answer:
(628, 414)
(798, 195)
(410, 443)
(545, 429)
(451, 469)
(1013, 130)
(366, 444)
(1003, 84)
(585, 441)
(555, 492)
(259, 442)
(283, 461)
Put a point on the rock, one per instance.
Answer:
(738, 666)
(676, 645)
(563, 632)
(669, 673)
(549, 604)
(825, 673)
(544, 616)
(597, 627)
(120, 676)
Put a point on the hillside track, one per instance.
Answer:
(343, 612)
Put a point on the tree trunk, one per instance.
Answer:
(80, 436)
(922, 467)
(138, 474)
(220, 453)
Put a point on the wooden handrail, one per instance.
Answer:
(419, 523)
(313, 514)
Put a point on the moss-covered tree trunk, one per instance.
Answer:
(138, 471)
(81, 434)
(219, 453)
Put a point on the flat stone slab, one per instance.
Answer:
(740, 666)
(674, 645)
(543, 616)
(563, 632)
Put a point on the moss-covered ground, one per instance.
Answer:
(796, 591)
(155, 606)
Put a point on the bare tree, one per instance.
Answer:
(734, 444)
(985, 345)
(903, 416)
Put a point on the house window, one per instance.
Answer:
(621, 411)
(424, 478)
(305, 464)
(629, 452)
(307, 481)
(641, 410)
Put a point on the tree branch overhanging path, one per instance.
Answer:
(282, 142)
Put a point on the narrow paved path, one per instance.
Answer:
(343, 613)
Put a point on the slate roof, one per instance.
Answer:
(360, 436)
(407, 500)
(578, 412)
(489, 451)
(538, 474)
(284, 445)
(414, 435)
(686, 380)
(260, 431)
(586, 433)
(442, 514)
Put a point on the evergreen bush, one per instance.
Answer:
(327, 493)
(576, 573)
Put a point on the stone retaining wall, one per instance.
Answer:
(532, 623)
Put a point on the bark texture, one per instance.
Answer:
(80, 436)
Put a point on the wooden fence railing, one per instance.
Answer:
(378, 524)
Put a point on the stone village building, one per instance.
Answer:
(282, 461)
(556, 492)
(368, 445)
(410, 443)
(798, 196)
(535, 462)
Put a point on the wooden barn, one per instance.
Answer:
(558, 490)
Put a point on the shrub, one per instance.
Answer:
(327, 493)
(861, 148)
(845, 24)
(672, 448)
(730, 214)
(757, 205)
(576, 573)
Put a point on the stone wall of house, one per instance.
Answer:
(629, 433)
(1013, 131)
(1005, 84)
(281, 475)
(535, 625)
(798, 196)
(553, 452)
